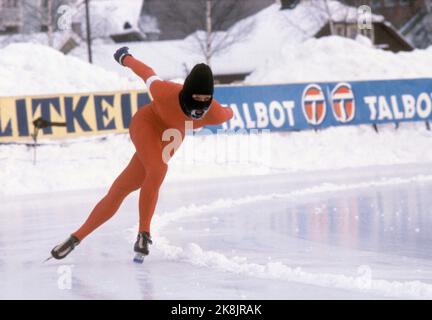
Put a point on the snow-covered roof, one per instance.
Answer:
(338, 12)
(258, 36)
(109, 17)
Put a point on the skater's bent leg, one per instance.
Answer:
(128, 181)
(147, 139)
(149, 194)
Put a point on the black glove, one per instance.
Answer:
(120, 54)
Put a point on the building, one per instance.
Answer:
(411, 18)
(177, 19)
(26, 16)
(397, 12)
(382, 35)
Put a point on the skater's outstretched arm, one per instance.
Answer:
(218, 114)
(142, 70)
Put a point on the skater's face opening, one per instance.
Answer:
(202, 97)
(199, 113)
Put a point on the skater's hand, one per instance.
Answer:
(120, 54)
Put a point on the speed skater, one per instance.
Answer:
(172, 105)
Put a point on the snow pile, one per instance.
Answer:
(336, 59)
(95, 163)
(28, 68)
(279, 271)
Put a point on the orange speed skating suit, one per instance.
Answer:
(147, 168)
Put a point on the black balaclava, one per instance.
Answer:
(199, 81)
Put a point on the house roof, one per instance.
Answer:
(110, 17)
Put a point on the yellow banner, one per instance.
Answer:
(84, 114)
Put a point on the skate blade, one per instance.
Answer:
(139, 258)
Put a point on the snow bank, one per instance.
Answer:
(28, 68)
(194, 254)
(336, 59)
(95, 163)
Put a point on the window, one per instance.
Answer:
(11, 29)
(127, 26)
(352, 31)
(346, 30)
(369, 33)
(404, 2)
(10, 3)
(390, 3)
(289, 4)
(376, 3)
(339, 29)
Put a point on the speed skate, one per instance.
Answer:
(139, 258)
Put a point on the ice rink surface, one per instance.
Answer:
(346, 234)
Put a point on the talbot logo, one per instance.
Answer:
(343, 103)
(314, 104)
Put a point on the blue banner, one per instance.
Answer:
(292, 107)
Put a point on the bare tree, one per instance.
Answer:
(211, 19)
(422, 38)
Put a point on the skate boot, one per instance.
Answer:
(141, 246)
(63, 249)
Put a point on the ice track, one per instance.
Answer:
(351, 234)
